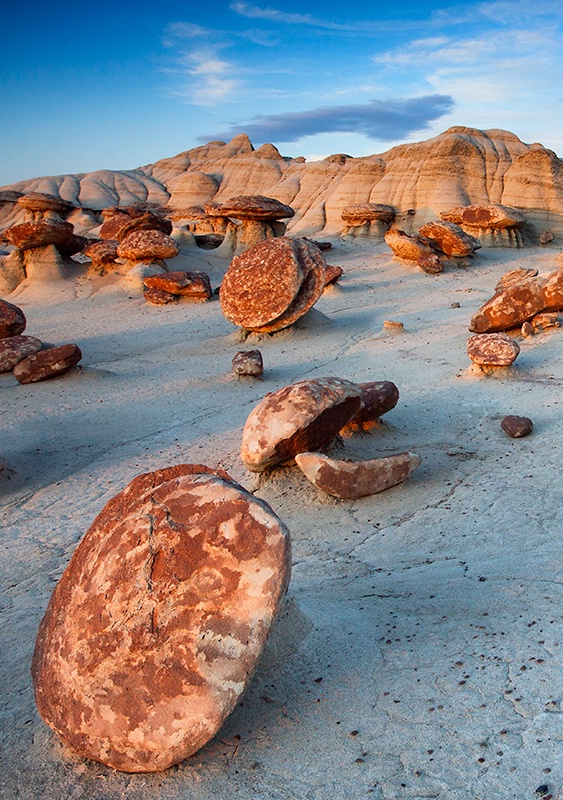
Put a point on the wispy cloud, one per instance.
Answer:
(274, 15)
(203, 78)
(381, 120)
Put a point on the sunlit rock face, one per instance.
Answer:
(461, 167)
(155, 628)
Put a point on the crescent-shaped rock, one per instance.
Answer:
(350, 480)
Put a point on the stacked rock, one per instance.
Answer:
(251, 219)
(155, 628)
(171, 286)
(41, 242)
(270, 286)
(295, 422)
(436, 245)
(367, 219)
(24, 355)
(493, 225)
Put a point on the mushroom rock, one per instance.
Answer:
(14, 349)
(270, 286)
(12, 320)
(39, 205)
(350, 480)
(259, 219)
(45, 364)
(303, 416)
(450, 239)
(103, 255)
(510, 307)
(147, 221)
(367, 219)
(407, 247)
(44, 264)
(156, 626)
(492, 349)
(194, 285)
(493, 225)
(38, 234)
(378, 397)
(147, 245)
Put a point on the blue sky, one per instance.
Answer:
(118, 85)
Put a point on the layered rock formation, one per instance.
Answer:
(458, 168)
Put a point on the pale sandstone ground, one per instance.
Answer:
(418, 608)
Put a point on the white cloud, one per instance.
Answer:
(203, 78)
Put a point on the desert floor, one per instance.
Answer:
(419, 653)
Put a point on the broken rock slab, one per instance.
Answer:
(303, 416)
(156, 626)
(45, 364)
(14, 349)
(349, 480)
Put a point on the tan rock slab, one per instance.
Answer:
(12, 320)
(256, 207)
(359, 213)
(14, 349)
(40, 201)
(494, 216)
(47, 364)
(156, 626)
(492, 349)
(350, 480)
(261, 283)
(303, 416)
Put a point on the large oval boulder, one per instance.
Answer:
(156, 626)
(40, 233)
(303, 416)
(450, 238)
(146, 245)
(510, 307)
(12, 320)
(45, 364)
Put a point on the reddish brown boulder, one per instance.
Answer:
(147, 245)
(14, 349)
(38, 234)
(12, 320)
(552, 291)
(74, 244)
(350, 480)
(103, 254)
(248, 363)
(303, 416)
(155, 628)
(159, 297)
(516, 427)
(450, 239)
(195, 285)
(146, 222)
(510, 308)
(514, 276)
(47, 363)
(255, 207)
(332, 274)
(314, 270)
(410, 248)
(261, 283)
(378, 397)
(113, 223)
(492, 349)
(40, 201)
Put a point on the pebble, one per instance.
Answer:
(516, 427)
(248, 363)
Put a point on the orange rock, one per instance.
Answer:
(40, 201)
(510, 308)
(303, 416)
(146, 245)
(256, 207)
(350, 480)
(155, 628)
(492, 349)
(411, 248)
(38, 234)
(332, 274)
(159, 297)
(378, 397)
(146, 222)
(450, 238)
(195, 285)
(552, 291)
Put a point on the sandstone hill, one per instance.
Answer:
(459, 167)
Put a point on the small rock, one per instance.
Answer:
(492, 349)
(12, 320)
(432, 264)
(517, 426)
(547, 319)
(332, 274)
(455, 305)
(393, 325)
(527, 329)
(248, 363)
(546, 237)
(410, 248)
(14, 349)
(47, 363)
(194, 285)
